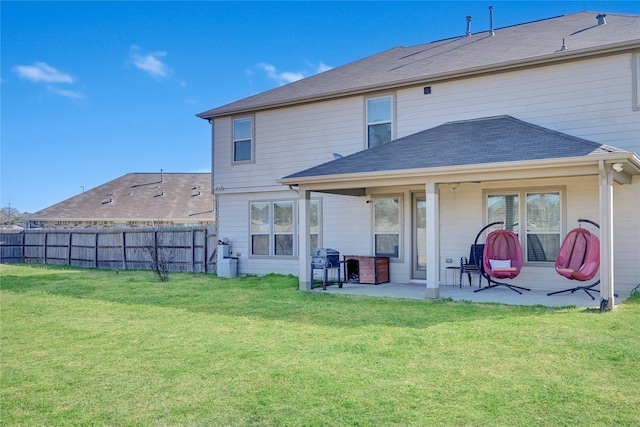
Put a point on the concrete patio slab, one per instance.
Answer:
(499, 294)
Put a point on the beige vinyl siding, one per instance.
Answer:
(340, 231)
(590, 99)
(234, 225)
(626, 234)
(347, 224)
(460, 220)
(292, 139)
(288, 140)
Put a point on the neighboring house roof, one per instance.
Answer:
(155, 196)
(469, 142)
(521, 45)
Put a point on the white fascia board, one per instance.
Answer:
(569, 166)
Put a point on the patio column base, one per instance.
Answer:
(304, 286)
(433, 293)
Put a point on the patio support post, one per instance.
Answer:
(433, 240)
(606, 236)
(304, 255)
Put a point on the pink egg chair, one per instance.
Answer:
(579, 258)
(501, 258)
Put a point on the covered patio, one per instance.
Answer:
(472, 153)
(417, 290)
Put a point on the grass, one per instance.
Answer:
(96, 347)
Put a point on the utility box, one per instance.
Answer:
(227, 265)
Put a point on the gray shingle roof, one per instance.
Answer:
(539, 41)
(140, 196)
(468, 142)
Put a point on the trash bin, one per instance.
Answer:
(228, 267)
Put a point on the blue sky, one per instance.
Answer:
(91, 91)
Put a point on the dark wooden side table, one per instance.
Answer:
(366, 269)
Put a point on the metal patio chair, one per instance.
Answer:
(469, 265)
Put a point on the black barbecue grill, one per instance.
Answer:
(325, 259)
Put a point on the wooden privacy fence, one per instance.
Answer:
(186, 249)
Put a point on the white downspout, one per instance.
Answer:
(606, 236)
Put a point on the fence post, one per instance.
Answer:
(193, 251)
(46, 238)
(155, 245)
(95, 251)
(69, 248)
(124, 252)
(22, 253)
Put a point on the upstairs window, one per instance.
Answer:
(379, 121)
(243, 140)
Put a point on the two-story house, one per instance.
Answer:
(409, 152)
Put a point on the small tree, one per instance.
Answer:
(161, 258)
(9, 216)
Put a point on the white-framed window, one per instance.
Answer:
(541, 212)
(283, 228)
(387, 226)
(273, 227)
(379, 120)
(243, 140)
(636, 82)
(260, 228)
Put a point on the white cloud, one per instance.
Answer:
(286, 77)
(322, 67)
(282, 78)
(149, 63)
(42, 72)
(71, 94)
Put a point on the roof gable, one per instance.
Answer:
(530, 43)
(480, 141)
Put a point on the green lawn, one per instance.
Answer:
(96, 347)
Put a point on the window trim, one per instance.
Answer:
(522, 193)
(234, 140)
(272, 233)
(392, 121)
(400, 232)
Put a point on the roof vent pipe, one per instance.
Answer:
(493, 33)
(469, 18)
(601, 20)
(564, 45)
(161, 176)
